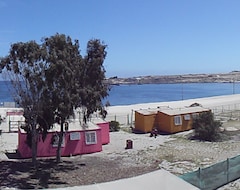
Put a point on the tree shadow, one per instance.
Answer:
(21, 174)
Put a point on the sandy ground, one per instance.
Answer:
(209, 102)
(174, 153)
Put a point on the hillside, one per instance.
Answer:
(186, 78)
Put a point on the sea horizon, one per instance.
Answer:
(151, 93)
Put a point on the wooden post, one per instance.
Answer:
(228, 170)
(132, 119)
(9, 123)
(199, 177)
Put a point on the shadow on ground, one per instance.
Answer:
(22, 175)
(13, 155)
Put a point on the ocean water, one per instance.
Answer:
(5, 92)
(146, 93)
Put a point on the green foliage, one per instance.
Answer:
(107, 104)
(62, 55)
(25, 68)
(90, 77)
(1, 119)
(114, 126)
(206, 128)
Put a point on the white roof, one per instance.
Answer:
(160, 179)
(186, 110)
(147, 111)
(74, 126)
(97, 120)
(152, 111)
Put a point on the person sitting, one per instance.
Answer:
(154, 132)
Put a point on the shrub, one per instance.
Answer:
(107, 104)
(114, 126)
(206, 128)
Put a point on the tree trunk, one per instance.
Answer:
(34, 145)
(60, 144)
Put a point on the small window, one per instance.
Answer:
(195, 115)
(91, 137)
(55, 140)
(178, 120)
(187, 117)
(75, 136)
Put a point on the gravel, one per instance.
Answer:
(174, 153)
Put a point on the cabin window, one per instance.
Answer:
(55, 140)
(195, 115)
(91, 137)
(187, 117)
(75, 136)
(178, 120)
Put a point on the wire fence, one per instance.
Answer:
(216, 175)
(222, 113)
(123, 119)
(227, 112)
(225, 108)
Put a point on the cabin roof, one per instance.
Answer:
(76, 126)
(73, 126)
(97, 120)
(152, 111)
(185, 110)
(147, 112)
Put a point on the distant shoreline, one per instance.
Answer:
(231, 77)
(207, 102)
(118, 84)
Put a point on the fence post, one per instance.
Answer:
(132, 118)
(127, 119)
(9, 124)
(228, 170)
(115, 118)
(200, 179)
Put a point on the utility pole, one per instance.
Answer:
(182, 91)
(233, 81)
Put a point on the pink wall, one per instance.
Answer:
(71, 147)
(104, 132)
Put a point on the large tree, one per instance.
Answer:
(52, 79)
(63, 56)
(25, 68)
(90, 79)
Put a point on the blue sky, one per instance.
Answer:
(156, 37)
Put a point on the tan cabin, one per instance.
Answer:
(177, 120)
(145, 120)
(167, 120)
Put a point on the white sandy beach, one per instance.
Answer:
(209, 102)
(141, 143)
(125, 114)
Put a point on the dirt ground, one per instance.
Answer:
(71, 172)
(177, 154)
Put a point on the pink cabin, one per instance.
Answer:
(104, 129)
(76, 140)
